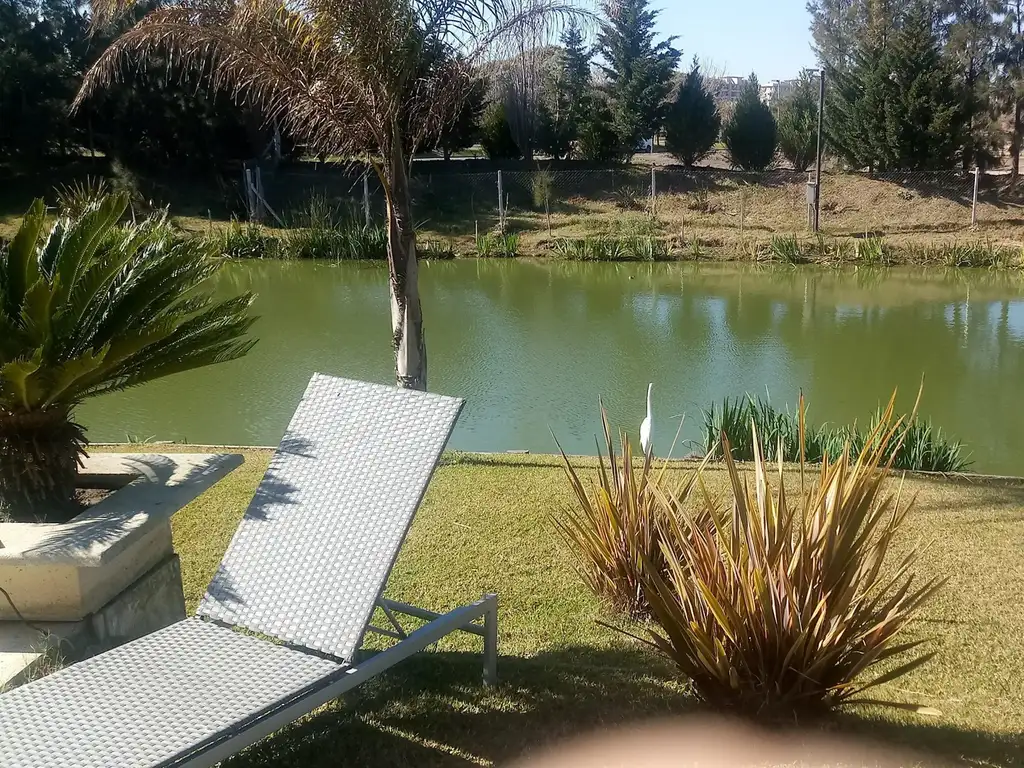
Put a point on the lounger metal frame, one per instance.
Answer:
(462, 619)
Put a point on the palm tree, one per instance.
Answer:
(347, 78)
(89, 307)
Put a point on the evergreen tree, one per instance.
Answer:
(923, 113)
(898, 107)
(834, 26)
(561, 109)
(970, 37)
(464, 129)
(38, 78)
(598, 140)
(692, 122)
(798, 125)
(149, 121)
(575, 77)
(638, 70)
(855, 108)
(751, 134)
(555, 134)
(1009, 60)
(496, 134)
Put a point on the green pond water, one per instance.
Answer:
(532, 346)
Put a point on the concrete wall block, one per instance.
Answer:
(151, 603)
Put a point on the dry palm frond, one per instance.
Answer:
(778, 608)
(346, 79)
(350, 79)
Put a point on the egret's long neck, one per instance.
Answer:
(649, 400)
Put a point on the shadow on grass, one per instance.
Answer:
(432, 711)
(945, 742)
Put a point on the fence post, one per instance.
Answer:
(974, 200)
(654, 190)
(812, 192)
(366, 199)
(260, 198)
(743, 208)
(250, 198)
(501, 204)
(817, 153)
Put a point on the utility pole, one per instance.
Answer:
(817, 165)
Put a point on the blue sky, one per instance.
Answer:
(769, 37)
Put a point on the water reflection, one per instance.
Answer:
(533, 345)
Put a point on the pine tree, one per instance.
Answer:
(464, 129)
(1009, 59)
(563, 108)
(970, 38)
(555, 135)
(750, 135)
(692, 121)
(575, 77)
(496, 134)
(598, 141)
(798, 125)
(841, 27)
(638, 71)
(898, 107)
(923, 115)
(855, 108)
(834, 26)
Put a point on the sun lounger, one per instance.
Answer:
(306, 568)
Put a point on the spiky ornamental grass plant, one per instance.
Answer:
(781, 609)
(613, 531)
(88, 306)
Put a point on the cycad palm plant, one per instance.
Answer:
(88, 307)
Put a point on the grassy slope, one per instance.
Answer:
(731, 222)
(485, 526)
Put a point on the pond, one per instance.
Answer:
(533, 345)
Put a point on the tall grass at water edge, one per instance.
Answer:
(327, 230)
(321, 230)
(872, 250)
(923, 446)
(497, 245)
(245, 240)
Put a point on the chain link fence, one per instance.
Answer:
(697, 208)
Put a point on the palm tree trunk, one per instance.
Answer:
(406, 312)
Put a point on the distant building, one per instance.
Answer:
(777, 90)
(726, 89)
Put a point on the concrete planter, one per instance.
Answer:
(109, 575)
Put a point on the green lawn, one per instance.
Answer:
(484, 526)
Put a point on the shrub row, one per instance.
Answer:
(923, 447)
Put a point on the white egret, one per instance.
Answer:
(645, 425)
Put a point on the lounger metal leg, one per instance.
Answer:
(488, 631)
(491, 641)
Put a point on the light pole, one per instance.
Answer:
(817, 163)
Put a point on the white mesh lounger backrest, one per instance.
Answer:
(316, 545)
